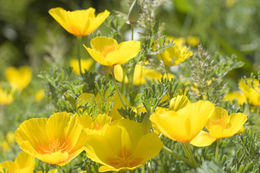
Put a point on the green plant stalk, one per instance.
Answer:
(217, 149)
(178, 157)
(189, 154)
(132, 31)
(78, 54)
(143, 168)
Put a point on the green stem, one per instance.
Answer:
(217, 149)
(189, 154)
(78, 54)
(132, 31)
(143, 169)
(177, 156)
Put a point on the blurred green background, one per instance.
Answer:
(28, 34)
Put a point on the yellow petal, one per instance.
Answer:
(203, 139)
(7, 165)
(56, 124)
(236, 123)
(219, 117)
(85, 65)
(25, 163)
(31, 133)
(97, 56)
(56, 158)
(127, 50)
(5, 97)
(179, 102)
(240, 97)
(252, 93)
(119, 74)
(148, 147)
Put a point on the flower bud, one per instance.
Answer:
(133, 13)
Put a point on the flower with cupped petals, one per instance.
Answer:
(220, 125)
(124, 145)
(24, 163)
(176, 54)
(79, 22)
(18, 78)
(55, 140)
(183, 120)
(251, 89)
(108, 52)
(141, 74)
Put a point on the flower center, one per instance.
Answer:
(124, 159)
(54, 146)
(107, 50)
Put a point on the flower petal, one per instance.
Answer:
(203, 139)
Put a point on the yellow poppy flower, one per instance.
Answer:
(39, 95)
(140, 74)
(175, 54)
(220, 125)
(24, 163)
(94, 126)
(79, 22)
(6, 97)
(236, 95)
(55, 140)
(184, 123)
(108, 52)
(124, 145)
(252, 93)
(18, 78)
(85, 65)
(114, 100)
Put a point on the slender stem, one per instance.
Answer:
(132, 31)
(177, 156)
(78, 53)
(143, 168)
(117, 89)
(217, 149)
(187, 149)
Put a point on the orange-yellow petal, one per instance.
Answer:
(203, 139)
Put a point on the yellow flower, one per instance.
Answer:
(175, 54)
(124, 145)
(140, 74)
(94, 126)
(24, 163)
(252, 93)
(18, 78)
(108, 52)
(220, 125)
(85, 65)
(114, 100)
(79, 22)
(5, 97)
(55, 140)
(185, 122)
(236, 95)
(39, 95)
(193, 41)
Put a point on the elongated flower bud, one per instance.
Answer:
(134, 12)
